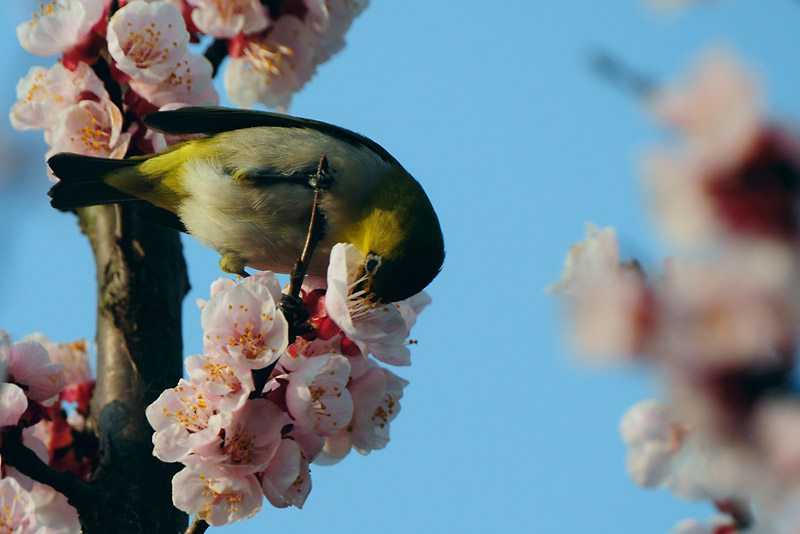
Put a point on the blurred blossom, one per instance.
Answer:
(721, 323)
(273, 67)
(731, 172)
(610, 304)
(728, 312)
(228, 18)
(720, 524)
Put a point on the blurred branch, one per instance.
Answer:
(615, 71)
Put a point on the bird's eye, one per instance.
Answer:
(372, 263)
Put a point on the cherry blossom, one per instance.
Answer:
(378, 329)
(17, 509)
(243, 325)
(273, 67)
(376, 403)
(53, 511)
(228, 18)
(231, 384)
(185, 418)
(43, 93)
(341, 14)
(74, 356)
(29, 365)
(218, 500)
(720, 524)
(316, 394)
(611, 306)
(287, 481)
(731, 172)
(189, 83)
(147, 40)
(247, 443)
(13, 404)
(59, 25)
(91, 128)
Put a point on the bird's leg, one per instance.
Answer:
(234, 264)
(291, 304)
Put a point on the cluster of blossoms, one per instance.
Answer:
(257, 410)
(44, 397)
(141, 49)
(721, 322)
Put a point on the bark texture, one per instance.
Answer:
(141, 281)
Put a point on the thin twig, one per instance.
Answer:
(198, 526)
(314, 231)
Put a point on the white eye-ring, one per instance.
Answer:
(372, 263)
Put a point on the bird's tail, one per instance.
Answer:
(81, 181)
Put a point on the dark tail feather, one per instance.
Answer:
(81, 181)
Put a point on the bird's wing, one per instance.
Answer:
(213, 120)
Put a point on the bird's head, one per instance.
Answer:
(399, 236)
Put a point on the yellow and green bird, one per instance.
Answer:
(246, 190)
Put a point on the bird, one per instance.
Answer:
(246, 188)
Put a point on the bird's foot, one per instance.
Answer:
(296, 316)
(234, 264)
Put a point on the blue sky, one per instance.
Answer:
(518, 143)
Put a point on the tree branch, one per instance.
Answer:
(141, 280)
(16, 454)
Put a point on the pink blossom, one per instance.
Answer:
(609, 302)
(778, 434)
(189, 83)
(17, 509)
(654, 440)
(59, 25)
(228, 18)
(721, 524)
(317, 396)
(231, 384)
(90, 128)
(247, 443)
(13, 404)
(185, 418)
(29, 365)
(721, 178)
(378, 329)
(53, 511)
(147, 40)
(43, 93)
(376, 395)
(341, 14)
(730, 312)
(693, 464)
(216, 499)
(273, 67)
(287, 480)
(719, 108)
(74, 356)
(243, 325)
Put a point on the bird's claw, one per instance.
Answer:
(234, 264)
